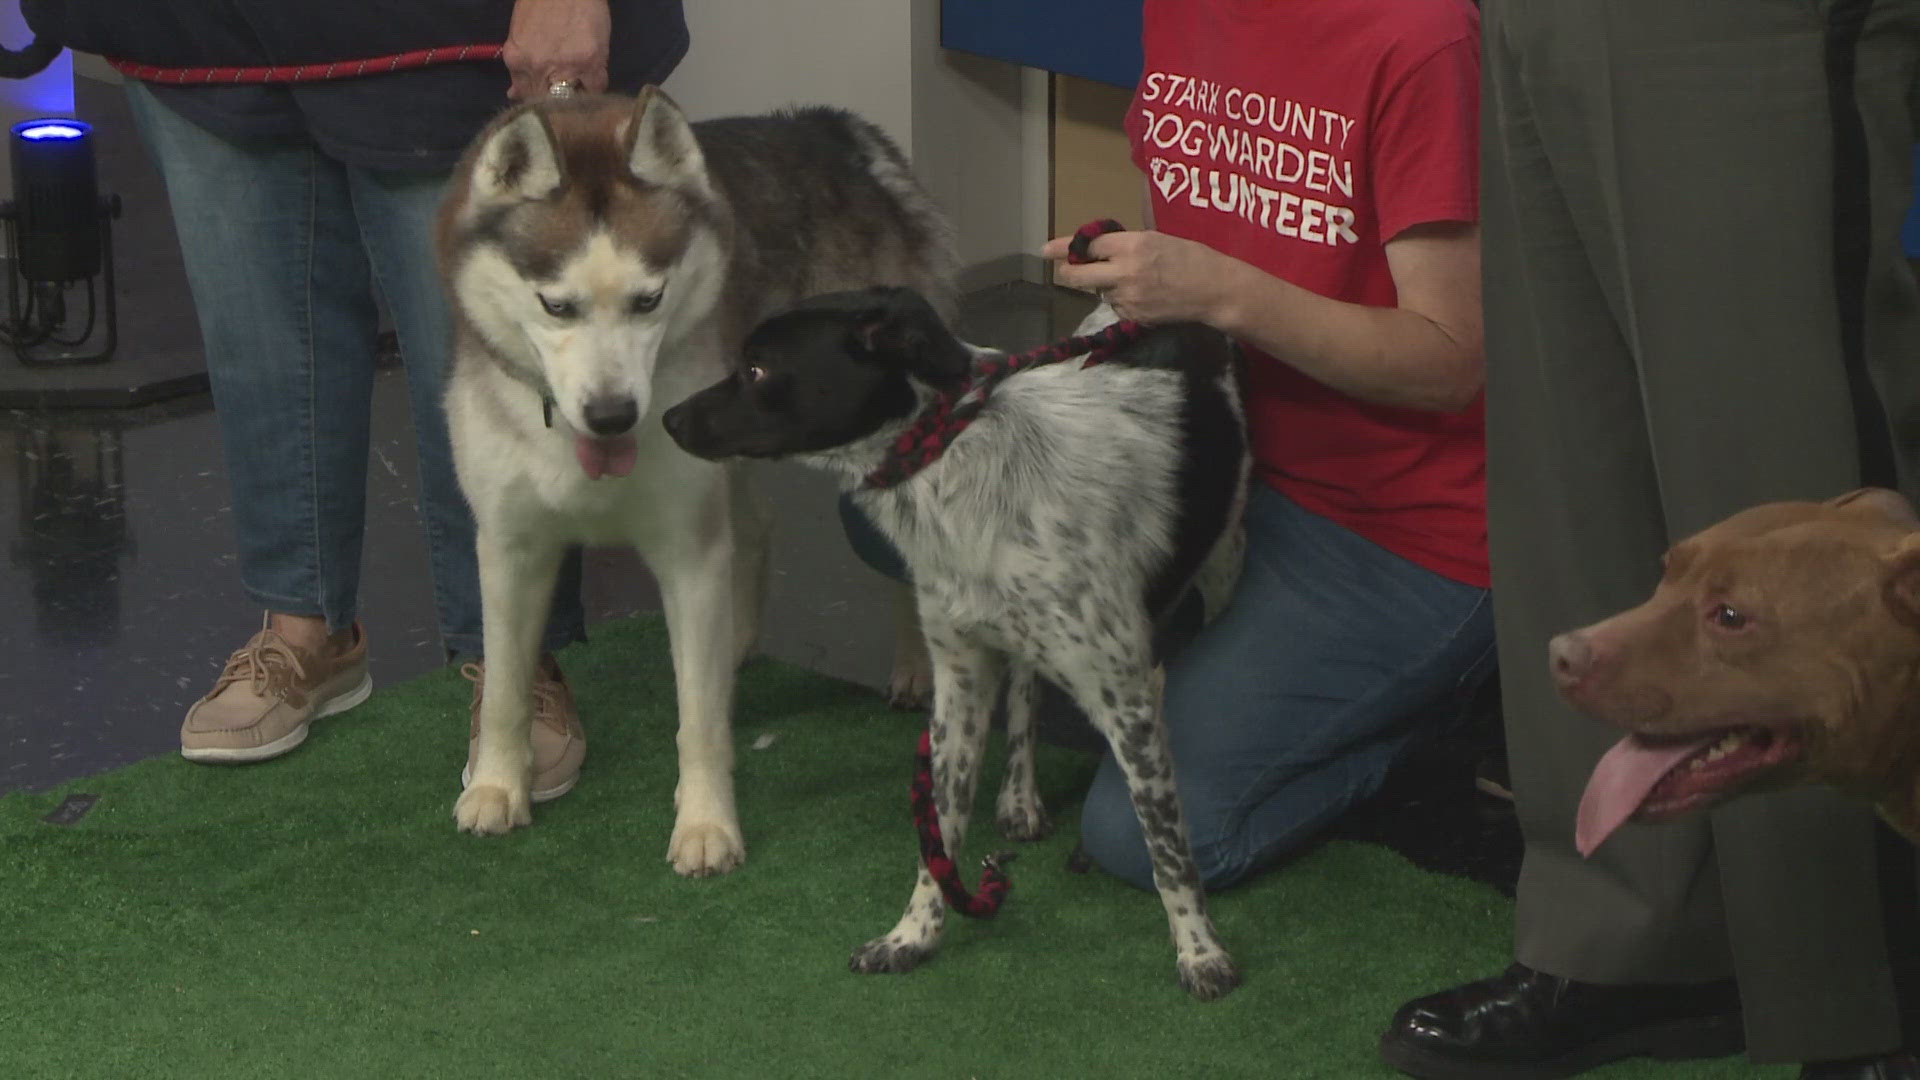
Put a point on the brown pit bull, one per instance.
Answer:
(1782, 646)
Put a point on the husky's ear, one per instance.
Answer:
(518, 161)
(899, 326)
(661, 149)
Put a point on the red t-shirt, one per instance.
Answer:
(1301, 137)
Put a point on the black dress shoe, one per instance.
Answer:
(1528, 1025)
(1900, 1066)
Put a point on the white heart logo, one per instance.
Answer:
(1169, 177)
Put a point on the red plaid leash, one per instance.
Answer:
(917, 448)
(949, 414)
(293, 73)
(933, 849)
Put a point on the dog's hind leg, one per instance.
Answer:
(753, 531)
(911, 685)
(965, 680)
(695, 568)
(1124, 701)
(1019, 813)
(516, 588)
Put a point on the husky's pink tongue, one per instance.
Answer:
(606, 457)
(1621, 782)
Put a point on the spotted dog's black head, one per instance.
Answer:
(823, 375)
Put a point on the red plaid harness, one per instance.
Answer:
(948, 415)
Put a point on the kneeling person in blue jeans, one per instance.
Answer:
(1362, 617)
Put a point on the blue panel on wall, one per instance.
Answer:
(1094, 39)
(1910, 232)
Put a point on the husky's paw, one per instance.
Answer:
(704, 850)
(1208, 977)
(886, 956)
(493, 809)
(1022, 818)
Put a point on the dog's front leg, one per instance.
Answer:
(1126, 706)
(910, 684)
(752, 537)
(1019, 812)
(697, 590)
(965, 679)
(516, 588)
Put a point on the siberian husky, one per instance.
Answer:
(606, 258)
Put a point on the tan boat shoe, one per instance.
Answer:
(268, 695)
(559, 742)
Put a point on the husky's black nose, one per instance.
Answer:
(611, 415)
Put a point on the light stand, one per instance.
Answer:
(59, 238)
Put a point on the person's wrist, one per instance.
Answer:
(1223, 304)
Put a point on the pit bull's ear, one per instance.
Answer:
(661, 149)
(901, 327)
(1893, 505)
(1900, 584)
(517, 161)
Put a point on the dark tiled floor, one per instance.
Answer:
(119, 597)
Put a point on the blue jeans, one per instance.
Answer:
(1333, 657)
(284, 248)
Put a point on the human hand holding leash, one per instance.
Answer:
(1424, 353)
(1147, 276)
(552, 43)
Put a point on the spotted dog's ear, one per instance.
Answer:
(899, 326)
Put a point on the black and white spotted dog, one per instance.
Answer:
(1078, 507)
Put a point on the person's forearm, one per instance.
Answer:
(1387, 356)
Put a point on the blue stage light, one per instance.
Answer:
(58, 239)
(56, 199)
(52, 129)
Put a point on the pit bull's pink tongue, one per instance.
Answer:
(1621, 782)
(606, 457)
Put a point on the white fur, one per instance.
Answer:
(700, 532)
(695, 523)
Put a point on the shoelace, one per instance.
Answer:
(546, 689)
(267, 662)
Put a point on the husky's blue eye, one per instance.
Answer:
(560, 309)
(645, 302)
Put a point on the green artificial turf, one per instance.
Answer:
(318, 916)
